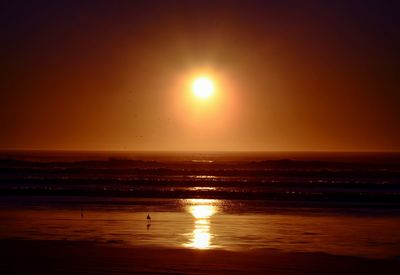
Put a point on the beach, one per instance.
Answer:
(207, 214)
(55, 235)
(63, 257)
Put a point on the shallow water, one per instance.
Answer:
(202, 224)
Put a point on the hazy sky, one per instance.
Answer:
(113, 75)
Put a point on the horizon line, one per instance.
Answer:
(193, 151)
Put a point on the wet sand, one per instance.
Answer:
(69, 257)
(202, 224)
(191, 236)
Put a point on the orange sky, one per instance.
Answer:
(113, 76)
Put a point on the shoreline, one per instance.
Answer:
(84, 257)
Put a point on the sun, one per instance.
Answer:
(203, 87)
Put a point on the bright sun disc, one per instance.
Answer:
(203, 87)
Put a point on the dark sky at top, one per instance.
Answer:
(101, 75)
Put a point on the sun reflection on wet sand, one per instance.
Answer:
(202, 210)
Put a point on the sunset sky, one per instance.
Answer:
(118, 75)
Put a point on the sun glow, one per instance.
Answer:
(204, 105)
(203, 87)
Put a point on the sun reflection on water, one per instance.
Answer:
(202, 210)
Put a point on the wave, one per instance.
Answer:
(281, 179)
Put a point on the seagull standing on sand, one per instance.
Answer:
(148, 218)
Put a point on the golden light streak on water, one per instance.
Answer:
(202, 210)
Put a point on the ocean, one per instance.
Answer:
(333, 203)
